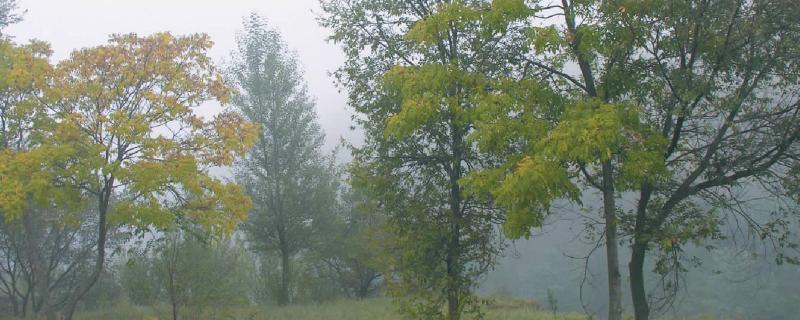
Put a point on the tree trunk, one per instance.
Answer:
(612, 250)
(454, 265)
(102, 234)
(638, 294)
(286, 276)
(453, 275)
(641, 309)
(172, 269)
(35, 226)
(174, 310)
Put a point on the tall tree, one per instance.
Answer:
(724, 91)
(685, 103)
(571, 130)
(288, 178)
(124, 128)
(411, 72)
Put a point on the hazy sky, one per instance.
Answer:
(73, 24)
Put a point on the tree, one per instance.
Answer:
(724, 93)
(124, 129)
(685, 104)
(191, 272)
(44, 241)
(8, 14)
(292, 186)
(43, 256)
(351, 249)
(412, 70)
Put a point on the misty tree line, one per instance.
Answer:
(662, 122)
(146, 221)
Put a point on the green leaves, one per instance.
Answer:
(545, 166)
(450, 17)
(429, 93)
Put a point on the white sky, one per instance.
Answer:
(73, 24)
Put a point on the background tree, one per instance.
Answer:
(42, 261)
(196, 275)
(9, 14)
(290, 182)
(351, 248)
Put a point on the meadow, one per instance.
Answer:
(368, 309)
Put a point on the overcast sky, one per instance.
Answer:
(69, 25)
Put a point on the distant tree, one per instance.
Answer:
(8, 15)
(192, 272)
(412, 70)
(291, 183)
(43, 257)
(351, 247)
(123, 127)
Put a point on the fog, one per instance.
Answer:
(561, 267)
(70, 25)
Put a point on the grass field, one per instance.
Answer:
(370, 309)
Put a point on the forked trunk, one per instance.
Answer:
(102, 234)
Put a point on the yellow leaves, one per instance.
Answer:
(592, 132)
(24, 68)
(504, 12)
(414, 112)
(547, 39)
(126, 110)
(541, 167)
(27, 178)
(219, 208)
(231, 135)
(515, 113)
(142, 214)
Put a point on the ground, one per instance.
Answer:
(369, 309)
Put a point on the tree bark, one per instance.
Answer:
(102, 235)
(35, 226)
(286, 276)
(641, 309)
(453, 274)
(612, 249)
(454, 243)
